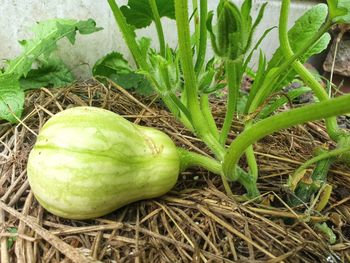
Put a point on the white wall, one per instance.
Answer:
(17, 16)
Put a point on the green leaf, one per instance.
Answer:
(46, 35)
(113, 66)
(144, 44)
(139, 13)
(38, 49)
(53, 73)
(11, 98)
(246, 8)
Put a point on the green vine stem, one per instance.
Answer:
(190, 159)
(159, 26)
(202, 47)
(185, 49)
(332, 107)
(128, 35)
(332, 126)
(233, 77)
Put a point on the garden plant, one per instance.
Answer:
(88, 162)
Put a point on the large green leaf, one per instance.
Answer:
(139, 13)
(113, 66)
(46, 35)
(11, 98)
(19, 76)
(53, 73)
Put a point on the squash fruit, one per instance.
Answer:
(87, 162)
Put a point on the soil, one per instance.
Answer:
(196, 221)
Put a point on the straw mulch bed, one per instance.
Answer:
(195, 222)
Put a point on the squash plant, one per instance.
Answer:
(184, 79)
(231, 40)
(37, 66)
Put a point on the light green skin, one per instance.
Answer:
(87, 162)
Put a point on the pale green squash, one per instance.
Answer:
(87, 162)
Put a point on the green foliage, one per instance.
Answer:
(51, 73)
(11, 98)
(114, 67)
(19, 74)
(44, 42)
(184, 87)
(138, 13)
(327, 231)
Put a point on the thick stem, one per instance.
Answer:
(233, 77)
(205, 106)
(190, 159)
(128, 35)
(141, 61)
(332, 107)
(159, 26)
(198, 121)
(331, 123)
(202, 47)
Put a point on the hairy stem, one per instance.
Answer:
(332, 107)
(185, 49)
(191, 159)
(252, 164)
(331, 123)
(202, 46)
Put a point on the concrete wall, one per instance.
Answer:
(16, 18)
